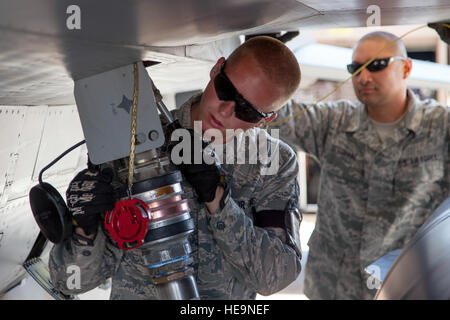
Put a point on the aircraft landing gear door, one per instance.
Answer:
(105, 102)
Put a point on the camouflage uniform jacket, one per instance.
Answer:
(372, 199)
(233, 259)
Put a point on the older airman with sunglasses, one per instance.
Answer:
(246, 238)
(384, 168)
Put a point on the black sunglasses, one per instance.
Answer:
(374, 66)
(243, 109)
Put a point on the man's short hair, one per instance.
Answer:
(276, 60)
(387, 37)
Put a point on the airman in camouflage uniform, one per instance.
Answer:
(235, 256)
(375, 190)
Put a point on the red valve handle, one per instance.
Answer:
(128, 223)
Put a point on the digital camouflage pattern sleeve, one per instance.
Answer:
(264, 258)
(78, 268)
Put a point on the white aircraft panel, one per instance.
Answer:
(18, 231)
(61, 131)
(11, 122)
(27, 150)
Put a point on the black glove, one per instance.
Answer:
(89, 194)
(443, 31)
(204, 177)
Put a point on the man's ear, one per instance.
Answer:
(265, 121)
(407, 68)
(216, 68)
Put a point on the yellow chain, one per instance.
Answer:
(133, 127)
(388, 45)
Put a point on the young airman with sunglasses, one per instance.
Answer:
(246, 238)
(384, 168)
(249, 229)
